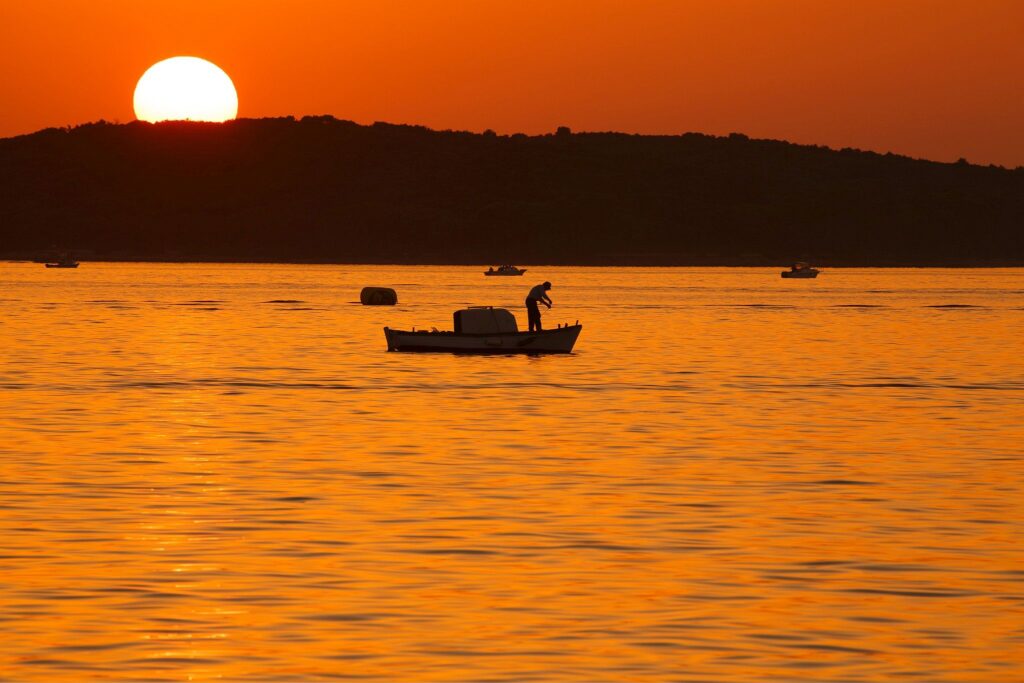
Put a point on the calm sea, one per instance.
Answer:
(217, 472)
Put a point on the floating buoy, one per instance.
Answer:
(378, 296)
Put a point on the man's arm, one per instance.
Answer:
(547, 301)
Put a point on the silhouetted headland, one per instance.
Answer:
(325, 190)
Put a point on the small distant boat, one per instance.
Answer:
(65, 261)
(800, 270)
(505, 270)
(485, 330)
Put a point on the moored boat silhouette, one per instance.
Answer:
(504, 270)
(800, 270)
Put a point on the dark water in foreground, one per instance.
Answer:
(217, 472)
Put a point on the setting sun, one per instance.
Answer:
(185, 88)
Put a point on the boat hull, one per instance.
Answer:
(799, 275)
(558, 340)
(505, 274)
(61, 265)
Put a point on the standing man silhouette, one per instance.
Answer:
(538, 293)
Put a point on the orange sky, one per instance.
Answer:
(931, 78)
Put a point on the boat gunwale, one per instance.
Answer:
(480, 352)
(450, 333)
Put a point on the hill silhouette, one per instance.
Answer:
(321, 189)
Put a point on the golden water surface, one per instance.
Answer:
(218, 472)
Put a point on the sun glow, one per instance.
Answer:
(185, 88)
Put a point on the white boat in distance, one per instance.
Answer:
(485, 330)
(64, 261)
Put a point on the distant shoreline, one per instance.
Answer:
(322, 190)
(484, 265)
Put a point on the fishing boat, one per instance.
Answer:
(504, 270)
(485, 329)
(800, 270)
